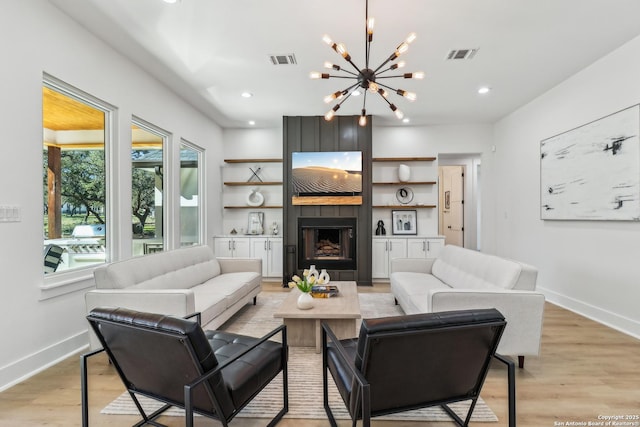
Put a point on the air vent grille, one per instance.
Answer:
(283, 59)
(456, 54)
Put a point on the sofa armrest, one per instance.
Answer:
(523, 310)
(414, 265)
(238, 265)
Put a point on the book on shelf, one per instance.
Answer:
(324, 291)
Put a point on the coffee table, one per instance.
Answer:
(340, 313)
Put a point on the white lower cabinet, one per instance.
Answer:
(236, 247)
(269, 249)
(424, 247)
(383, 250)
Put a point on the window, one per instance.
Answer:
(190, 195)
(74, 177)
(147, 187)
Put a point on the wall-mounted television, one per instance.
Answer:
(333, 174)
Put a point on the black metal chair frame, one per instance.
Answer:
(364, 387)
(188, 388)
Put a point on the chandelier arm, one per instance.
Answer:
(387, 87)
(343, 77)
(391, 77)
(367, 42)
(385, 99)
(391, 58)
(354, 65)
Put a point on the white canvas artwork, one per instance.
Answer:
(593, 172)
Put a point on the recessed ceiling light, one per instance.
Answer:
(246, 94)
(484, 90)
(406, 120)
(356, 93)
(252, 123)
(171, 1)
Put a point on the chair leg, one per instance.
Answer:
(521, 362)
(254, 300)
(511, 378)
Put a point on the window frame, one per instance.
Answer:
(58, 283)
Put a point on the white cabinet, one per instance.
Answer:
(383, 250)
(270, 250)
(424, 247)
(237, 247)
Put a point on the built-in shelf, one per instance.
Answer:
(253, 207)
(405, 183)
(252, 183)
(403, 159)
(253, 160)
(403, 206)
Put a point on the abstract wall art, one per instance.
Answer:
(593, 172)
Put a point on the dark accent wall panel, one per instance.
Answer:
(313, 133)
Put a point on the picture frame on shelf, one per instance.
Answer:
(404, 222)
(256, 223)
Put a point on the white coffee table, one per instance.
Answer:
(340, 313)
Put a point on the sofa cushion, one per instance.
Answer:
(210, 305)
(417, 283)
(233, 286)
(466, 269)
(181, 268)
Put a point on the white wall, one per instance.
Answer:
(38, 327)
(591, 267)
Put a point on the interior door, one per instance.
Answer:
(452, 204)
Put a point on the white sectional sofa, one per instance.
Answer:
(178, 282)
(461, 279)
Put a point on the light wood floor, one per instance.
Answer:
(585, 370)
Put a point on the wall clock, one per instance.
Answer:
(404, 195)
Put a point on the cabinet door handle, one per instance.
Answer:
(428, 246)
(269, 245)
(229, 244)
(424, 246)
(234, 245)
(265, 245)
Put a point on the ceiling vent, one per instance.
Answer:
(285, 59)
(456, 54)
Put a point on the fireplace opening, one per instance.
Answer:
(327, 243)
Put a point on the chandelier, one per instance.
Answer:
(367, 78)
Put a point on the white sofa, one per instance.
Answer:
(178, 282)
(461, 278)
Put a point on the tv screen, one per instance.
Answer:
(327, 173)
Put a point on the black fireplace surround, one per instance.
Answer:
(328, 243)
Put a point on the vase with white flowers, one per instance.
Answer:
(304, 284)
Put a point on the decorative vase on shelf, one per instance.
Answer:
(324, 276)
(404, 173)
(305, 301)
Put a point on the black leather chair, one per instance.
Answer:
(173, 360)
(408, 362)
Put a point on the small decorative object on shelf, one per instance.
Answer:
(256, 219)
(404, 222)
(255, 198)
(404, 195)
(233, 231)
(274, 228)
(380, 231)
(404, 173)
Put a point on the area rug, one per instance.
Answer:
(305, 372)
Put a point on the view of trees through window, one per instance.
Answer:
(147, 183)
(74, 182)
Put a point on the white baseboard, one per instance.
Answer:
(31, 365)
(608, 318)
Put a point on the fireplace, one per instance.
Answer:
(327, 243)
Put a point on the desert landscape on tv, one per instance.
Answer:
(330, 173)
